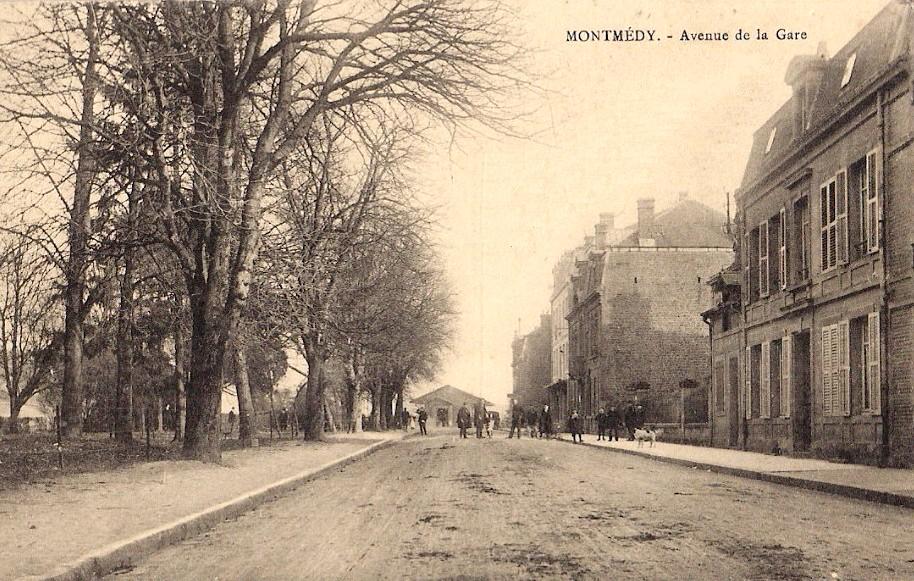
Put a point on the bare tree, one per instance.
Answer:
(28, 324)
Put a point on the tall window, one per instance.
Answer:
(753, 381)
(869, 368)
(765, 381)
(869, 204)
(786, 362)
(834, 221)
(763, 259)
(835, 367)
(801, 238)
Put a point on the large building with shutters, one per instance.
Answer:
(812, 333)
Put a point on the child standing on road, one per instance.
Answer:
(489, 425)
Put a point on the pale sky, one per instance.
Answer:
(624, 121)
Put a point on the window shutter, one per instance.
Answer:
(826, 369)
(782, 250)
(748, 269)
(763, 249)
(748, 384)
(874, 364)
(843, 401)
(786, 361)
(841, 215)
(763, 259)
(872, 202)
(765, 381)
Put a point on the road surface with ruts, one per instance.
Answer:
(445, 508)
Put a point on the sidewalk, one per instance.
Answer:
(68, 526)
(893, 486)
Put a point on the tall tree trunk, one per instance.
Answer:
(12, 424)
(77, 234)
(202, 437)
(328, 415)
(385, 407)
(123, 416)
(245, 403)
(353, 388)
(375, 420)
(398, 408)
(313, 425)
(180, 372)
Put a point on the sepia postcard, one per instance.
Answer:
(457, 289)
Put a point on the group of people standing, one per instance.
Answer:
(537, 422)
(481, 419)
(608, 422)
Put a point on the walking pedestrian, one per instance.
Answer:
(283, 420)
(574, 426)
(602, 424)
(405, 419)
(463, 420)
(546, 422)
(517, 419)
(422, 417)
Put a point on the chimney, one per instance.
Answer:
(805, 75)
(646, 220)
(608, 219)
(599, 236)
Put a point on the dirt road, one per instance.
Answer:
(444, 508)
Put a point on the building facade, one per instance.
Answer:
(532, 364)
(633, 332)
(820, 357)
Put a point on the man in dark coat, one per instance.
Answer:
(574, 426)
(602, 424)
(612, 423)
(479, 417)
(629, 417)
(422, 416)
(533, 419)
(463, 420)
(517, 419)
(546, 422)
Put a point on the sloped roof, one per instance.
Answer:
(688, 224)
(450, 394)
(31, 409)
(878, 46)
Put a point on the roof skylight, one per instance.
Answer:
(848, 70)
(774, 131)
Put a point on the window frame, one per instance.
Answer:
(764, 284)
(833, 246)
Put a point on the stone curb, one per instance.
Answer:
(124, 553)
(846, 490)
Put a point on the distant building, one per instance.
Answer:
(605, 233)
(815, 354)
(444, 403)
(633, 329)
(532, 364)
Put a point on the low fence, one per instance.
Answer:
(696, 434)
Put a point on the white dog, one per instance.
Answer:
(647, 434)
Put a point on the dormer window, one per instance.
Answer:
(774, 131)
(848, 70)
